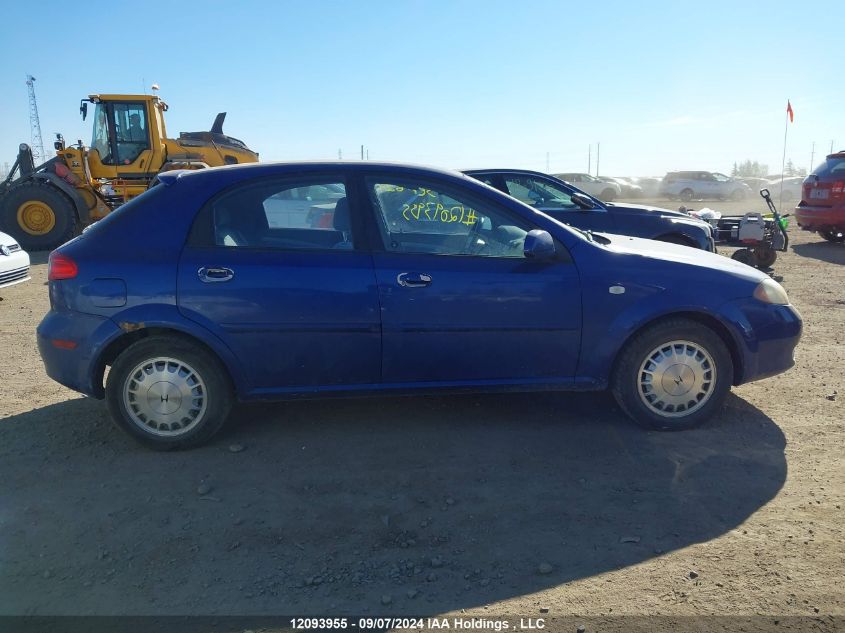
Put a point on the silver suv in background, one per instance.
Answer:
(601, 188)
(697, 185)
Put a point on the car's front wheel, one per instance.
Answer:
(673, 375)
(687, 195)
(168, 393)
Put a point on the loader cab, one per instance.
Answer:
(121, 132)
(127, 135)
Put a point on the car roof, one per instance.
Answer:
(509, 170)
(279, 168)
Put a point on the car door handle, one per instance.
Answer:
(215, 275)
(413, 280)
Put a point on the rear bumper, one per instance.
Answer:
(769, 335)
(75, 367)
(812, 218)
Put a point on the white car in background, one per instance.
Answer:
(14, 262)
(629, 188)
(606, 190)
(791, 188)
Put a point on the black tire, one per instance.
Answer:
(687, 195)
(738, 194)
(59, 204)
(837, 236)
(625, 381)
(675, 239)
(764, 257)
(608, 195)
(743, 255)
(217, 391)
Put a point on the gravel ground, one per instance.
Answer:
(494, 505)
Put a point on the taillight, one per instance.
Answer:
(837, 190)
(61, 266)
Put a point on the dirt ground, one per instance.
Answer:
(506, 505)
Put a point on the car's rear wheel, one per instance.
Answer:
(168, 393)
(608, 195)
(673, 375)
(687, 195)
(837, 236)
(738, 194)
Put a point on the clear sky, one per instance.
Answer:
(661, 85)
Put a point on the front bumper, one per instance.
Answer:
(75, 367)
(14, 268)
(769, 335)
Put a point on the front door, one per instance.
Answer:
(460, 302)
(298, 305)
(553, 199)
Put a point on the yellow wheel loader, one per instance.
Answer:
(43, 206)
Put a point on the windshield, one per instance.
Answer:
(100, 140)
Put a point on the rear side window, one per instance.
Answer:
(283, 215)
(833, 166)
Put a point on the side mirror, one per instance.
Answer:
(583, 201)
(539, 245)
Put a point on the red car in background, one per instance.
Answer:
(822, 206)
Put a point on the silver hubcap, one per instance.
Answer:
(676, 379)
(165, 396)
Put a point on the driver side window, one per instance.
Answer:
(539, 194)
(415, 217)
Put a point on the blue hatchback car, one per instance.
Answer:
(214, 286)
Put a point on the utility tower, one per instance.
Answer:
(37, 145)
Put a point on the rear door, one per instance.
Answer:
(460, 302)
(298, 305)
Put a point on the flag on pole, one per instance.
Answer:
(789, 111)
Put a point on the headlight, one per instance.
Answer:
(770, 291)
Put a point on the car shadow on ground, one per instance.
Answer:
(395, 505)
(825, 251)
